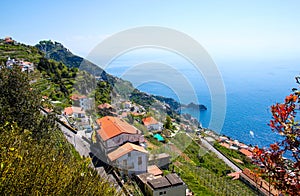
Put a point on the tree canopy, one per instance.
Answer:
(283, 173)
(35, 158)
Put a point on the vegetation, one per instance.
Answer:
(19, 51)
(205, 173)
(58, 52)
(103, 92)
(168, 123)
(142, 99)
(35, 158)
(233, 154)
(282, 173)
(204, 182)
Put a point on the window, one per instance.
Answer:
(129, 154)
(125, 163)
(160, 193)
(140, 161)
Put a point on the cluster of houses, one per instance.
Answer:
(24, 65)
(229, 143)
(122, 146)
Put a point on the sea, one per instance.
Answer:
(251, 87)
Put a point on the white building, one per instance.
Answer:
(75, 112)
(130, 158)
(114, 132)
(152, 124)
(82, 101)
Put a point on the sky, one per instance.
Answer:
(257, 29)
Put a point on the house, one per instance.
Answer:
(127, 105)
(153, 169)
(161, 160)
(10, 62)
(129, 158)
(106, 109)
(113, 133)
(152, 124)
(246, 152)
(26, 66)
(169, 185)
(224, 144)
(75, 112)
(8, 40)
(81, 101)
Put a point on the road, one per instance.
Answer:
(220, 156)
(81, 146)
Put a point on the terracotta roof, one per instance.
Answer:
(149, 121)
(71, 110)
(68, 111)
(104, 105)
(77, 97)
(225, 145)
(153, 169)
(124, 149)
(246, 152)
(112, 126)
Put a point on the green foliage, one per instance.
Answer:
(44, 167)
(58, 52)
(103, 92)
(35, 158)
(20, 103)
(204, 182)
(19, 51)
(153, 140)
(141, 98)
(168, 123)
(237, 155)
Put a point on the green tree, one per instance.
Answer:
(35, 158)
(20, 103)
(168, 123)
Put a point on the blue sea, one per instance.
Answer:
(251, 87)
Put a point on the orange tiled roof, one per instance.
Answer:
(149, 121)
(153, 169)
(68, 111)
(246, 152)
(112, 126)
(104, 105)
(225, 145)
(124, 149)
(76, 97)
(71, 110)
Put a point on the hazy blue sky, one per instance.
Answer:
(227, 29)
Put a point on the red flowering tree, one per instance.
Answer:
(283, 173)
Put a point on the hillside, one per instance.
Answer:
(19, 51)
(56, 51)
(35, 157)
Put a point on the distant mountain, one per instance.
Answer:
(56, 51)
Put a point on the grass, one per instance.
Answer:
(233, 154)
(204, 172)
